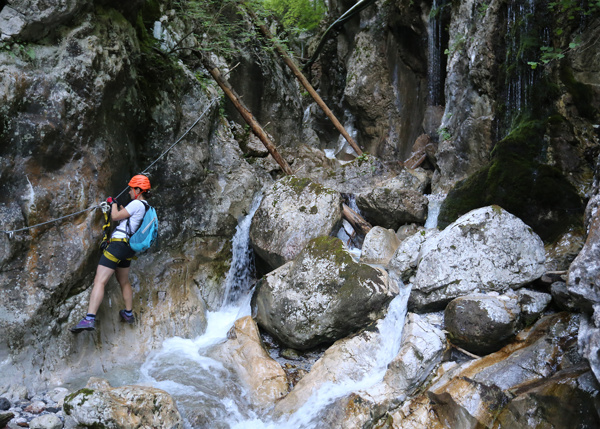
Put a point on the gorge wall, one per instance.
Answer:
(88, 99)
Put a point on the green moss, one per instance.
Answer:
(85, 393)
(517, 181)
(298, 185)
(314, 210)
(582, 94)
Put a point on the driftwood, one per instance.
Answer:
(305, 83)
(246, 114)
(357, 222)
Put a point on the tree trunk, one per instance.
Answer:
(246, 114)
(357, 222)
(292, 66)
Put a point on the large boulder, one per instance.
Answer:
(351, 360)
(488, 249)
(322, 296)
(126, 407)
(406, 258)
(482, 323)
(292, 212)
(391, 207)
(264, 379)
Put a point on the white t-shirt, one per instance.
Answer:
(136, 210)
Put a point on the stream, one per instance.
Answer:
(208, 394)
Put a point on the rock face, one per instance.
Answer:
(263, 378)
(321, 296)
(487, 249)
(583, 281)
(293, 212)
(99, 405)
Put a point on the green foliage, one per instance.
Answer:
(302, 15)
(565, 11)
(457, 45)
(216, 24)
(444, 134)
(18, 49)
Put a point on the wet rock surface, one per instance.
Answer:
(321, 296)
(293, 212)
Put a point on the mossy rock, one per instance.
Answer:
(520, 183)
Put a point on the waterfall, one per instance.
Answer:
(435, 203)
(240, 275)
(346, 232)
(521, 30)
(435, 55)
(209, 395)
(202, 386)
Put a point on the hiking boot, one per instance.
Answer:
(125, 318)
(84, 325)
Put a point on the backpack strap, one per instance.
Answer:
(128, 226)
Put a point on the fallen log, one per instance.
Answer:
(357, 222)
(246, 114)
(305, 83)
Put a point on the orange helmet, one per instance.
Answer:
(140, 181)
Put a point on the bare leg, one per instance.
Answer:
(123, 279)
(102, 276)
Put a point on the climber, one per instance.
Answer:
(116, 258)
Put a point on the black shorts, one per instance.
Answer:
(121, 251)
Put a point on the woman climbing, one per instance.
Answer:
(116, 258)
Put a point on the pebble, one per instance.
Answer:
(42, 411)
(4, 404)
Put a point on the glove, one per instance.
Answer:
(111, 200)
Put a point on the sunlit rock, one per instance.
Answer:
(532, 305)
(321, 296)
(487, 249)
(264, 379)
(360, 175)
(46, 421)
(379, 246)
(24, 21)
(292, 212)
(420, 353)
(568, 399)
(100, 405)
(391, 207)
(471, 394)
(589, 341)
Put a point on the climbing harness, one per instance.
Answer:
(103, 205)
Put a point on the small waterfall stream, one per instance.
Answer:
(435, 54)
(208, 394)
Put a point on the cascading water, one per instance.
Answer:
(433, 210)
(435, 54)
(346, 232)
(209, 396)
